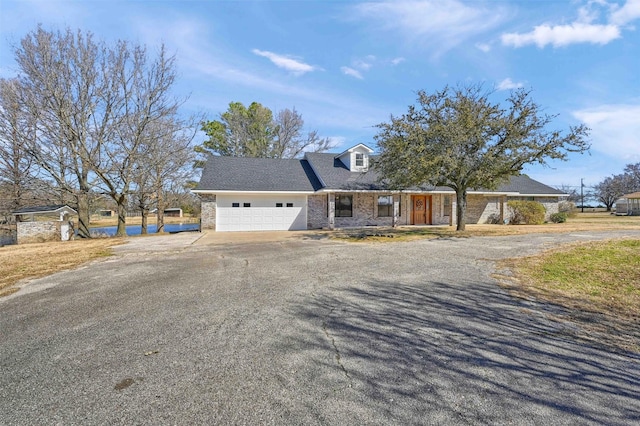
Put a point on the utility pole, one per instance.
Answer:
(582, 193)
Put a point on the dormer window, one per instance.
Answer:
(356, 159)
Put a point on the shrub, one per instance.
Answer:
(560, 217)
(526, 212)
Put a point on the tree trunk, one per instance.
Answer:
(143, 223)
(83, 214)
(160, 206)
(121, 200)
(461, 209)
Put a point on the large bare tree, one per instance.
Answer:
(16, 165)
(61, 83)
(91, 105)
(140, 99)
(165, 160)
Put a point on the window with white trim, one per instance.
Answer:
(385, 205)
(344, 205)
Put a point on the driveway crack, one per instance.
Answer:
(338, 357)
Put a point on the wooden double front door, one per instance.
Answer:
(421, 210)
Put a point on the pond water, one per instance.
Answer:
(151, 229)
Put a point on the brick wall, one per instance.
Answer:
(481, 209)
(486, 209)
(317, 212)
(37, 232)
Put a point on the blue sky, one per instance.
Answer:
(346, 66)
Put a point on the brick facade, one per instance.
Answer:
(208, 211)
(37, 232)
(365, 211)
(480, 209)
(493, 209)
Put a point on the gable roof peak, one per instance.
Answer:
(354, 148)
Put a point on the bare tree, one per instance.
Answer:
(91, 105)
(164, 164)
(609, 190)
(15, 163)
(632, 174)
(61, 84)
(140, 99)
(290, 141)
(167, 163)
(573, 195)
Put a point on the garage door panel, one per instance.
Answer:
(262, 218)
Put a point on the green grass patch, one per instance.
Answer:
(597, 276)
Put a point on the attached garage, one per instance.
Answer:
(257, 212)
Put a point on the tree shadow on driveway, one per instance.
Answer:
(435, 352)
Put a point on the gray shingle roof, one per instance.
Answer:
(42, 209)
(335, 175)
(257, 174)
(265, 174)
(525, 185)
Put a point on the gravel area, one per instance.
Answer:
(304, 331)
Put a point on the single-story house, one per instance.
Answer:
(628, 205)
(324, 190)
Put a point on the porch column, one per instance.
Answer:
(503, 201)
(396, 209)
(331, 209)
(453, 219)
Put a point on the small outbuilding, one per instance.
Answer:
(628, 205)
(52, 224)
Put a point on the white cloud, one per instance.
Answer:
(286, 62)
(398, 60)
(615, 129)
(563, 35)
(352, 72)
(627, 13)
(585, 29)
(443, 24)
(508, 84)
(362, 64)
(485, 47)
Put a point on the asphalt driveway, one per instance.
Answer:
(303, 331)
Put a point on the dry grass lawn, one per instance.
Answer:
(18, 262)
(601, 221)
(598, 283)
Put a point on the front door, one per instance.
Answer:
(421, 210)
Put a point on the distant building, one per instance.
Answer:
(628, 205)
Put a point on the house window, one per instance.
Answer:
(385, 206)
(278, 204)
(344, 205)
(235, 204)
(359, 159)
(447, 205)
(289, 204)
(246, 205)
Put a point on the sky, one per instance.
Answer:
(346, 66)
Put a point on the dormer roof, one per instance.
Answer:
(359, 147)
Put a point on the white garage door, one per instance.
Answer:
(261, 213)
